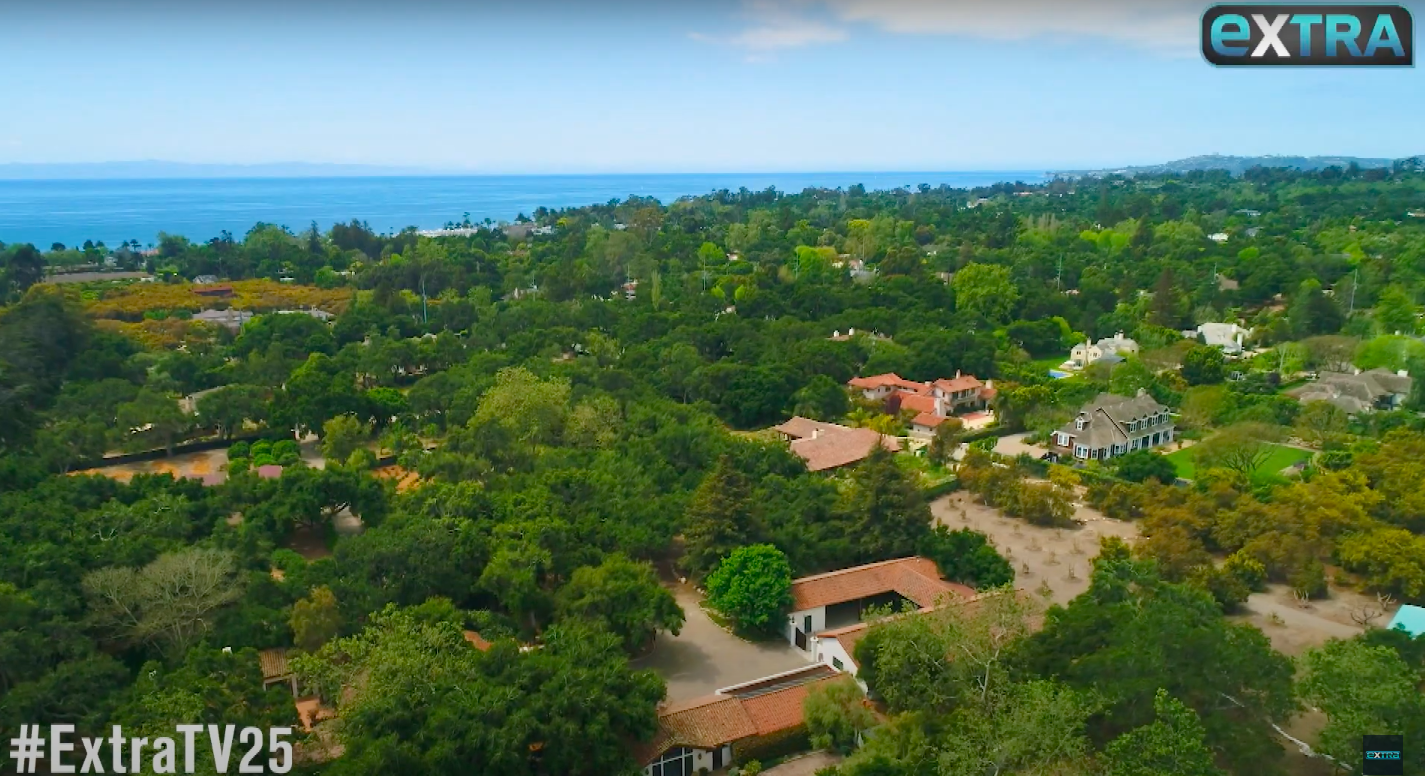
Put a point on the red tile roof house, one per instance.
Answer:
(736, 723)
(825, 604)
(826, 446)
(932, 403)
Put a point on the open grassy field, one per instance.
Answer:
(1280, 458)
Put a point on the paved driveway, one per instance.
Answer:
(1014, 445)
(704, 657)
(806, 765)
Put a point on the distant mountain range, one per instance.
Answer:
(1235, 164)
(157, 169)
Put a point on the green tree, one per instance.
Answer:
(836, 714)
(985, 290)
(1319, 422)
(625, 596)
(414, 697)
(533, 410)
(1395, 311)
(228, 408)
(1132, 634)
(1172, 743)
(965, 556)
(945, 441)
(886, 508)
(152, 420)
(315, 619)
(209, 687)
(1363, 690)
(1143, 465)
(821, 399)
(342, 435)
(1204, 365)
(1313, 313)
(720, 518)
(753, 587)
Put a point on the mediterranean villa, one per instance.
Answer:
(933, 403)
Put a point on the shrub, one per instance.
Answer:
(239, 450)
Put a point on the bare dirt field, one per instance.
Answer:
(1299, 627)
(1059, 556)
(1047, 554)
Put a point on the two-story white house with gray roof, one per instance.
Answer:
(1113, 425)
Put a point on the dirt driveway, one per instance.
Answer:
(703, 657)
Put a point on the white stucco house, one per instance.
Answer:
(825, 604)
(1230, 337)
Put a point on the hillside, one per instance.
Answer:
(1235, 164)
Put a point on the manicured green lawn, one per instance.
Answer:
(1280, 458)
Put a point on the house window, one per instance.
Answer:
(674, 762)
(1081, 452)
(837, 664)
(1093, 453)
(1080, 423)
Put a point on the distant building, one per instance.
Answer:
(1087, 353)
(825, 446)
(204, 280)
(1219, 237)
(1114, 425)
(1228, 336)
(1357, 394)
(230, 319)
(518, 231)
(215, 291)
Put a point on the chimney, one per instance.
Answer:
(836, 333)
(815, 433)
(1142, 392)
(851, 332)
(989, 384)
(1402, 373)
(957, 374)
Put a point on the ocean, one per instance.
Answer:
(45, 212)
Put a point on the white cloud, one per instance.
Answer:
(1169, 24)
(1165, 26)
(775, 26)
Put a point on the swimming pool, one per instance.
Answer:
(1058, 375)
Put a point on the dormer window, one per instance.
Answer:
(1080, 423)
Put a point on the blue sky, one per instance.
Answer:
(550, 86)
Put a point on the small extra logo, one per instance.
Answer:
(1309, 35)
(1380, 755)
